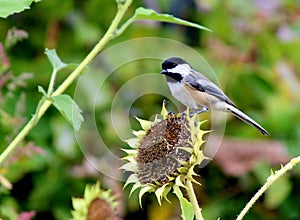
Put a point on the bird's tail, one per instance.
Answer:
(238, 113)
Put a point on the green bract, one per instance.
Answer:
(95, 202)
(163, 155)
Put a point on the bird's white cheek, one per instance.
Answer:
(183, 69)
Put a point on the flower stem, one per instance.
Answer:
(44, 104)
(271, 179)
(193, 199)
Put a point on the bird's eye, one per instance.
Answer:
(168, 65)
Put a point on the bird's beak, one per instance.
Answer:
(163, 72)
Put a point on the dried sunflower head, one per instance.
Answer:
(96, 204)
(164, 153)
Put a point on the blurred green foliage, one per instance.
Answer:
(253, 49)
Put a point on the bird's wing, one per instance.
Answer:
(202, 84)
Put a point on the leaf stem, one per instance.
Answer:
(44, 104)
(193, 199)
(120, 30)
(51, 83)
(271, 179)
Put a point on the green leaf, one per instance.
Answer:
(9, 7)
(186, 207)
(54, 59)
(69, 109)
(149, 14)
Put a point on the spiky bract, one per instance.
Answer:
(164, 153)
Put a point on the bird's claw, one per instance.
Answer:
(193, 112)
(198, 111)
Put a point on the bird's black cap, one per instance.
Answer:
(172, 62)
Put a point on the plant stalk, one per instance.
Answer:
(51, 83)
(271, 179)
(44, 104)
(193, 200)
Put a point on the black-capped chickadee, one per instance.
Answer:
(197, 92)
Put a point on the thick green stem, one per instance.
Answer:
(271, 179)
(44, 103)
(193, 200)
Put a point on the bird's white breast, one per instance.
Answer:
(182, 95)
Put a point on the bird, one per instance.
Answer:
(197, 92)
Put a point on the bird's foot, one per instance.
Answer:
(198, 111)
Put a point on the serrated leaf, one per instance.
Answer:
(149, 14)
(69, 109)
(54, 59)
(9, 7)
(186, 207)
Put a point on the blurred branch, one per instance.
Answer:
(112, 32)
(44, 103)
(271, 179)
